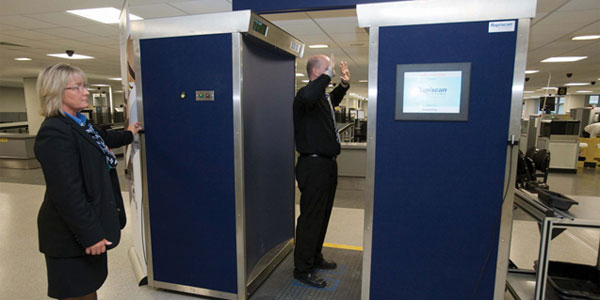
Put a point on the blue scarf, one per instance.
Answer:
(80, 119)
(111, 160)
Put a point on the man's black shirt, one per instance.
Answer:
(313, 125)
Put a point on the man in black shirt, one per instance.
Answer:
(318, 143)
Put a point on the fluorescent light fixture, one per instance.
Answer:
(99, 84)
(363, 80)
(74, 56)
(586, 37)
(564, 59)
(577, 84)
(299, 74)
(22, 58)
(306, 80)
(115, 78)
(119, 91)
(106, 15)
(528, 92)
(548, 88)
(584, 91)
(531, 71)
(318, 46)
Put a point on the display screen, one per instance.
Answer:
(432, 92)
(260, 27)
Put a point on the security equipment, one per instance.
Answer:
(549, 103)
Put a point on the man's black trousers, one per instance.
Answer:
(317, 180)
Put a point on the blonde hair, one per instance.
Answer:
(51, 84)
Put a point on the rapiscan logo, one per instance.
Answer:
(434, 91)
(502, 26)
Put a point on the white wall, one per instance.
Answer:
(32, 101)
(12, 99)
(574, 101)
(531, 108)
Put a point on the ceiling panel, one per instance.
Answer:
(104, 41)
(62, 18)
(65, 33)
(310, 39)
(30, 35)
(339, 13)
(299, 30)
(578, 18)
(4, 27)
(103, 30)
(64, 43)
(155, 11)
(25, 22)
(203, 6)
(357, 37)
(335, 28)
(581, 5)
(546, 6)
(12, 39)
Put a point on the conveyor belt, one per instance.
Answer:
(343, 283)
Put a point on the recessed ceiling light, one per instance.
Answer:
(74, 56)
(107, 15)
(531, 71)
(584, 91)
(586, 37)
(115, 78)
(576, 84)
(318, 46)
(363, 80)
(299, 74)
(564, 59)
(305, 80)
(22, 58)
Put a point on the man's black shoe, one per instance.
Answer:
(326, 265)
(311, 279)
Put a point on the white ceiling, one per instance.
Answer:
(44, 27)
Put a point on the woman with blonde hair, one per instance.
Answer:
(82, 213)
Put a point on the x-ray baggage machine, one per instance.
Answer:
(218, 150)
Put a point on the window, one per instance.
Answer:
(560, 109)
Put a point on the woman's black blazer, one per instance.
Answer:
(83, 199)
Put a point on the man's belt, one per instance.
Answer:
(318, 155)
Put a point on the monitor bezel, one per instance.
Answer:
(462, 115)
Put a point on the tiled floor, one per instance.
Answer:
(22, 269)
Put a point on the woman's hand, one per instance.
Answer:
(135, 127)
(98, 248)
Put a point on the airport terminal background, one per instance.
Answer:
(43, 28)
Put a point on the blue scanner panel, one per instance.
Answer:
(190, 160)
(439, 185)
